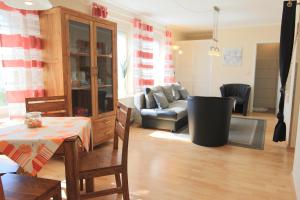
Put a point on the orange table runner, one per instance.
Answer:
(32, 148)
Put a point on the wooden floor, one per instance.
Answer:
(166, 169)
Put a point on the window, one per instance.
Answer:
(123, 64)
(3, 103)
(158, 59)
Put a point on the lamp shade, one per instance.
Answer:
(29, 4)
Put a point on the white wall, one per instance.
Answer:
(193, 67)
(246, 38)
(296, 171)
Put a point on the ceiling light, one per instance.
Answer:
(180, 52)
(214, 49)
(175, 47)
(29, 4)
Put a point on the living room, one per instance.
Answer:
(120, 99)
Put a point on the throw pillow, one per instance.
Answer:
(150, 101)
(175, 89)
(184, 93)
(157, 89)
(161, 100)
(168, 93)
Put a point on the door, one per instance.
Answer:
(79, 50)
(106, 90)
(266, 78)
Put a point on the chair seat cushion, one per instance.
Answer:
(27, 187)
(176, 111)
(238, 99)
(104, 157)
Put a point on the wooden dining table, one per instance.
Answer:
(31, 148)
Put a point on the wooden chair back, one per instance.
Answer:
(122, 127)
(54, 106)
(2, 197)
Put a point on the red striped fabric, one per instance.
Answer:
(169, 69)
(3, 6)
(168, 34)
(168, 43)
(145, 66)
(143, 37)
(142, 54)
(18, 40)
(169, 57)
(21, 47)
(19, 96)
(22, 63)
(137, 23)
(170, 79)
(145, 82)
(168, 66)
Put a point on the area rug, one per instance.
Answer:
(248, 133)
(244, 132)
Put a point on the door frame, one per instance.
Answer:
(254, 73)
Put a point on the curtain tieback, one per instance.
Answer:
(282, 90)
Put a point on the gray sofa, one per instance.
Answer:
(172, 118)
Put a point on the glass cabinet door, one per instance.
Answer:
(105, 84)
(80, 64)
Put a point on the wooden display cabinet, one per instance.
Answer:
(80, 62)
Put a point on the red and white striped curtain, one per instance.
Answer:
(20, 57)
(169, 70)
(143, 55)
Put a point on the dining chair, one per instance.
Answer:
(18, 187)
(54, 106)
(7, 165)
(109, 160)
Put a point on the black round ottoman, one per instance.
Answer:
(209, 120)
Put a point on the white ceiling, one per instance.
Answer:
(194, 15)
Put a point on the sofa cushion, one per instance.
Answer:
(139, 100)
(149, 98)
(168, 91)
(161, 100)
(176, 111)
(175, 89)
(184, 93)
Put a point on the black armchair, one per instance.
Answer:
(241, 94)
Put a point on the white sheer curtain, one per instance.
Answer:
(20, 57)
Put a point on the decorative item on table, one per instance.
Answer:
(33, 119)
(80, 111)
(99, 10)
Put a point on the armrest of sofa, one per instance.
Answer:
(139, 101)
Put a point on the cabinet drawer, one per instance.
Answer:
(100, 124)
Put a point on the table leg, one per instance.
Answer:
(72, 169)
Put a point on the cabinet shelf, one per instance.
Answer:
(104, 86)
(105, 55)
(80, 54)
(82, 87)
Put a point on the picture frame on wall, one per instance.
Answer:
(232, 57)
